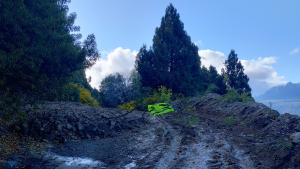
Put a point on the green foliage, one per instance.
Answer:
(136, 85)
(77, 93)
(38, 52)
(219, 82)
(233, 95)
(212, 88)
(228, 121)
(86, 98)
(181, 97)
(114, 91)
(161, 95)
(173, 60)
(128, 106)
(71, 93)
(284, 144)
(165, 94)
(189, 109)
(191, 120)
(79, 77)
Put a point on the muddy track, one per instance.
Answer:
(152, 145)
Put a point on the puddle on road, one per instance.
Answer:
(130, 165)
(63, 162)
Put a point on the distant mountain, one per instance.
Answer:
(282, 92)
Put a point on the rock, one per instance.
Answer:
(3, 151)
(24, 128)
(59, 127)
(10, 164)
(88, 136)
(91, 128)
(15, 157)
(297, 128)
(45, 140)
(295, 137)
(111, 123)
(50, 137)
(287, 121)
(73, 137)
(69, 126)
(63, 140)
(80, 126)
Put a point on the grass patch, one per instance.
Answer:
(284, 144)
(228, 121)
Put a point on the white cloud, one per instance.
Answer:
(214, 58)
(260, 72)
(294, 51)
(118, 60)
(262, 75)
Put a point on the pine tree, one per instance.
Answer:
(213, 73)
(235, 72)
(173, 60)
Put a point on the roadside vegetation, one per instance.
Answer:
(164, 72)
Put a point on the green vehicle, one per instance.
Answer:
(159, 108)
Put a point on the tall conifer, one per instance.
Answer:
(237, 79)
(173, 60)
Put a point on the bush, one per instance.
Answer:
(162, 95)
(76, 93)
(128, 106)
(71, 93)
(86, 98)
(212, 88)
(181, 97)
(233, 95)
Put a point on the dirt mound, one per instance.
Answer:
(270, 139)
(61, 121)
(223, 135)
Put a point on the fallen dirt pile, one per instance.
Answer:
(205, 133)
(270, 140)
(61, 121)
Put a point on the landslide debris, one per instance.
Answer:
(226, 135)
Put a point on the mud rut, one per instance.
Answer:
(151, 145)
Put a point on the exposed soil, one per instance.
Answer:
(230, 135)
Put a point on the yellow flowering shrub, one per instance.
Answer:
(85, 96)
(162, 95)
(127, 106)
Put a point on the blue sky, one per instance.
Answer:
(264, 34)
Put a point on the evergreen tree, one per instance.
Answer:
(173, 60)
(213, 73)
(114, 91)
(235, 72)
(219, 82)
(217, 79)
(38, 52)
